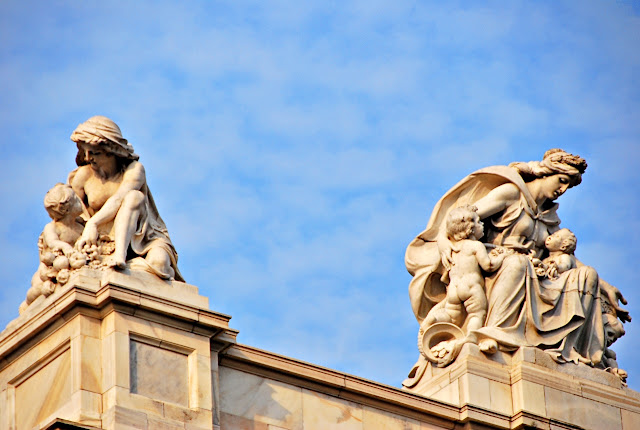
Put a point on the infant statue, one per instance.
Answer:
(464, 257)
(561, 246)
(56, 243)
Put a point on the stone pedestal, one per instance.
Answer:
(113, 350)
(528, 389)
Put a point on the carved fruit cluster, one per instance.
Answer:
(57, 265)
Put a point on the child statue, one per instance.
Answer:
(464, 257)
(561, 246)
(56, 243)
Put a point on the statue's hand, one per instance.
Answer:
(453, 349)
(497, 251)
(539, 267)
(616, 297)
(445, 248)
(622, 313)
(68, 250)
(619, 296)
(89, 236)
(552, 271)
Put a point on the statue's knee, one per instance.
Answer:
(476, 311)
(133, 199)
(591, 278)
(159, 259)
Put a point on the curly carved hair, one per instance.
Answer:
(461, 222)
(57, 199)
(555, 161)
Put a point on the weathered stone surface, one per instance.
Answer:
(583, 412)
(261, 400)
(158, 373)
(380, 420)
(92, 354)
(43, 392)
(630, 420)
(321, 411)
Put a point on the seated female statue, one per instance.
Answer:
(516, 203)
(111, 184)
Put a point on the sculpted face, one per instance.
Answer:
(99, 160)
(71, 208)
(554, 242)
(555, 185)
(478, 228)
(613, 329)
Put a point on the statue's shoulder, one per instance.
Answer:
(134, 168)
(507, 191)
(79, 176)
(504, 183)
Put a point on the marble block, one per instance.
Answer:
(250, 398)
(44, 391)
(149, 377)
(528, 388)
(112, 351)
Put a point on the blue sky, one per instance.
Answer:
(294, 149)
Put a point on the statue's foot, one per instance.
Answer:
(620, 373)
(583, 360)
(116, 263)
(23, 307)
(488, 346)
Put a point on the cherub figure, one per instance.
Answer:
(561, 246)
(56, 243)
(464, 257)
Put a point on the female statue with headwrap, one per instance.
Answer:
(111, 183)
(561, 315)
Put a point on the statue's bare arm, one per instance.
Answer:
(486, 261)
(133, 179)
(565, 262)
(497, 200)
(52, 240)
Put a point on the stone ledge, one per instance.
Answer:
(59, 424)
(535, 391)
(355, 389)
(527, 420)
(507, 368)
(92, 292)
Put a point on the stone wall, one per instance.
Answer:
(119, 351)
(112, 351)
(265, 391)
